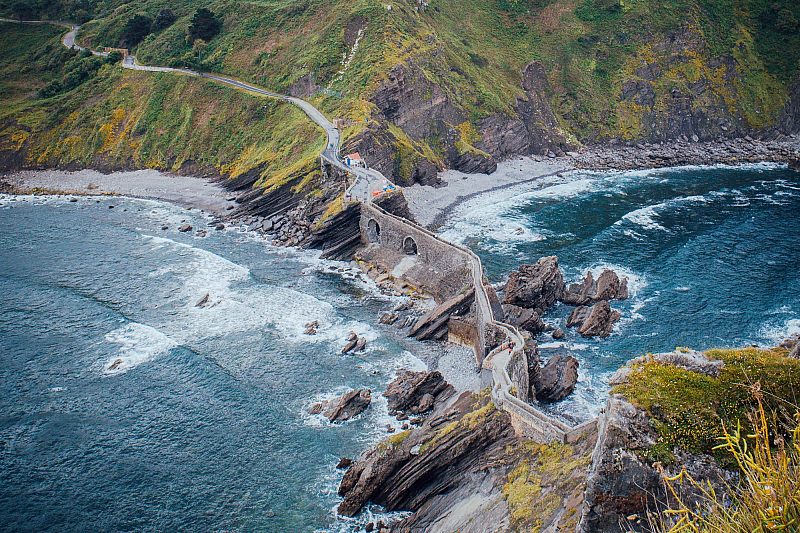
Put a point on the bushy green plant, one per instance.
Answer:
(766, 500)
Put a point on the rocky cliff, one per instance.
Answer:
(463, 469)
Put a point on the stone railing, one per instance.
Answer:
(527, 419)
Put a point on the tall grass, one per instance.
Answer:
(767, 498)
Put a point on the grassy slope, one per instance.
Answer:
(474, 50)
(134, 119)
(689, 410)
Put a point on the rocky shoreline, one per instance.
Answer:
(688, 152)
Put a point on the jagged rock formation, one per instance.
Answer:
(338, 237)
(536, 286)
(416, 392)
(526, 319)
(465, 470)
(434, 325)
(623, 483)
(608, 286)
(342, 409)
(556, 380)
(595, 321)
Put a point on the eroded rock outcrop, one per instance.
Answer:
(624, 483)
(416, 392)
(608, 286)
(426, 467)
(526, 319)
(557, 378)
(350, 404)
(595, 321)
(536, 286)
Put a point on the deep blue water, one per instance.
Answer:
(202, 427)
(713, 256)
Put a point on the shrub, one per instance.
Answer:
(205, 25)
(164, 19)
(134, 31)
(768, 495)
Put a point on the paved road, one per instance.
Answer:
(367, 180)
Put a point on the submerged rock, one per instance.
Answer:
(557, 379)
(535, 286)
(348, 405)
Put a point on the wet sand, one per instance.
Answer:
(431, 205)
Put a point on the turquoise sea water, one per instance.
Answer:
(712, 256)
(202, 424)
(202, 427)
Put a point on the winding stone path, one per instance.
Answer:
(366, 182)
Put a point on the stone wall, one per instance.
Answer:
(433, 265)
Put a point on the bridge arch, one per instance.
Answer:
(373, 231)
(410, 246)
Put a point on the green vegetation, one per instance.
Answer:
(690, 410)
(544, 478)
(134, 31)
(744, 53)
(767, 499)
(482, 409)
(118, 118)
(205, 25)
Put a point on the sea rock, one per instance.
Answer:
(361, 344)
(352, 336)
(389, 318)
(608, 286)
(414, 392)
(405, 475)
(557, 378)
(350, 346)
(184, 228)
(203, 302)
(536, 286)
(344, 462)
(595, 321)
(116, 364)
(311, 328)
(316, 408)
(558, 334)
(526, 319)
(347, 406)
(433, 326)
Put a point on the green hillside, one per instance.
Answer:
(627, 69)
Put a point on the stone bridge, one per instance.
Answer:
(447, 269)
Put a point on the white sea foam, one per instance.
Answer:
(777, 332)
(491, 215)
(232, 308)
(138, 343)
